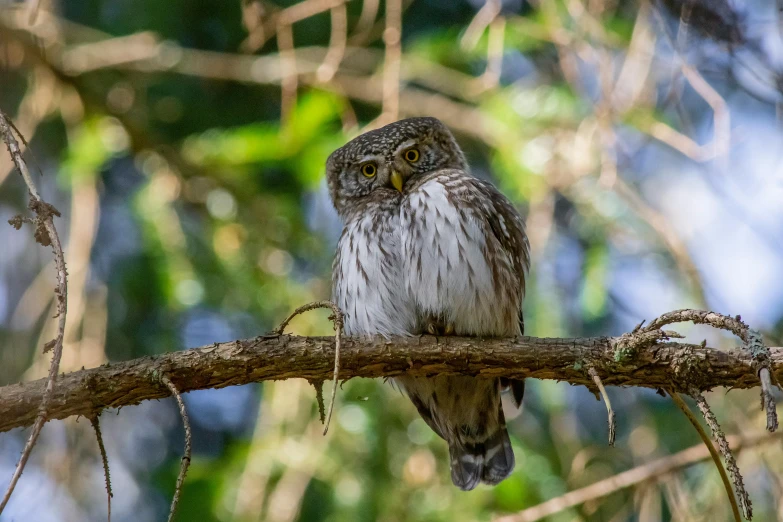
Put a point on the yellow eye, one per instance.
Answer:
(369, 170)
(412, 155)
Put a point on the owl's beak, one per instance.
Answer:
(396, 180)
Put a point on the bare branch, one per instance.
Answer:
(46, 235)
(713, 453)
(183, 470)
(96, 426)
(669, 365)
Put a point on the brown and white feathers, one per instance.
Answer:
(428, 248)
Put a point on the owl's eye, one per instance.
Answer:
(412, 155)
(369, 170)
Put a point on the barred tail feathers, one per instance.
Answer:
(467, 413)
(489, 461)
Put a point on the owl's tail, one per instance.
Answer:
(490, 460)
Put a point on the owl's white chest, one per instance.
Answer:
(451, 272)
(367, 277)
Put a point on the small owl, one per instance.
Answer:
(429, 249)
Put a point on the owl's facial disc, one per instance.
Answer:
(399, 151)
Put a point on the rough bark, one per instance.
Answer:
(674, 366)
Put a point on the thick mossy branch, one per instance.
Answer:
(674, 366)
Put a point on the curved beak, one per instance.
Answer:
(396, 180)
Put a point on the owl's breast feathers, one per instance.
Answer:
(464, 253)
(367, 273)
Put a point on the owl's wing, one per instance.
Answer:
(507, 227)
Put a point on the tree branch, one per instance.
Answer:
(675, 366)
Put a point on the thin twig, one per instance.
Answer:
(288, 16)
(35, 5)
(183, 469)
(392, 38)
(337, 40)
(713, 452)
(761, 354)
(490, 78)
(96, 426)
(366, 20)
(483, 18)
(721, 141)
(768, 400)
(290, 79)
(337, 319)
(714, 319)
(723, 446)
(37, 104)
(609, 411)
(46, 234)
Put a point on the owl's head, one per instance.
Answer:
(378, 164)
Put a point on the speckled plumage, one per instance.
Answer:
(441, 252)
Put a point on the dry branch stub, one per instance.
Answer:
(609, 411)
(337, 320)
(96, 426)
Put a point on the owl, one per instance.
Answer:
(427, 248)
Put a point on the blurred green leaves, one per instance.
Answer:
(300, 146)
(91, 145)
(595, 285)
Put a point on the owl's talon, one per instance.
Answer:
(438, 329)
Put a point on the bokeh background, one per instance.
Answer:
(185, 144)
